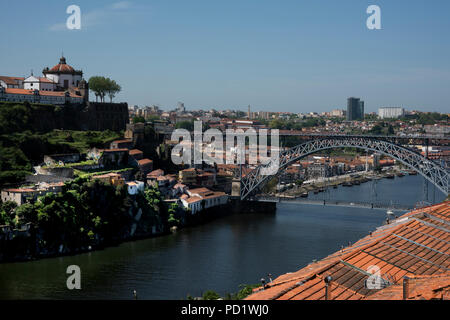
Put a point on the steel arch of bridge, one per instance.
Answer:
(430, 170)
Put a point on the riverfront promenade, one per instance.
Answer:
(350, 179)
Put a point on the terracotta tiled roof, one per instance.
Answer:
(416, 244)
(144, 162)
(55, 184)
(193, 199)
(63, 67)
(420, 288)
(11, 80)
(155, 173)
(214, 195)
(199, 190)
(122, 141)
(20, 190)
(41, 92)
(107, 175)
(135, 152)
(386, 161)
(46, 80)
(163, 178)
(115, 150)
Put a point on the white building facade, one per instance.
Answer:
(63, 75)
(134, 187)
(39, 83)
(59, 85)
(390, 112)
(37, 96)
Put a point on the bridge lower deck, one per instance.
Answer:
(338, 203)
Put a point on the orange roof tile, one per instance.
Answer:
(115, 150)
(46, 80)
(11, 80)
(416, 244)
(62, 67)
(123, 141)
(19, 190)
(155, 173)
(420, 288)
(144, 162)
(199, 190)
(193, 199)
(213, 195)
(106, 175)
(135, 151)
(41, 92)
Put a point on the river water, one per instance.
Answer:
(221, 255)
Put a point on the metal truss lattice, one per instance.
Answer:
(432, 171)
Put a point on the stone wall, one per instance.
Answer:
(92, 116)
(37, 178)
(104, 116)
(65, 158)
(55, 171)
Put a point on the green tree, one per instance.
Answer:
(153, 117)
(277, 124)
(390, 130)
(172, 220)
(102, 86)
(376, 129)
(138, 119)
(7, 213)
(112, 89)
(188, 125)
(211, 295)
(27, 212)
(98, 85)
(246, 290)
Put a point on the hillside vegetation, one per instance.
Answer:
(29, 131)
(86, 213)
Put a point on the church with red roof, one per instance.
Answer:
(64, 75)
(60, 84)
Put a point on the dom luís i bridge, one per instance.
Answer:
(248, 186)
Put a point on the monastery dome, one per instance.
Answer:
(63, 67)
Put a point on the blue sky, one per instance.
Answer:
(296, 56)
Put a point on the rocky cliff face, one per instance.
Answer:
(25, 242)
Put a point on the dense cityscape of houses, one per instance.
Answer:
(202, 186)
(189, 187)
(332, 122)
(198, 186)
